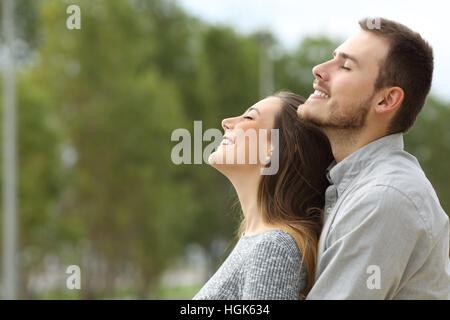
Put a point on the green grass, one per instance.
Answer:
(160, 293)
(176, 293)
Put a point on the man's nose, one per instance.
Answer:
(320, 72)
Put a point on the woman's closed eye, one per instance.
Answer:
(248, 117)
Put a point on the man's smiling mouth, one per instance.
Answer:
(321, 94)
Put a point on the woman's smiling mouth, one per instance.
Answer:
(227, 141)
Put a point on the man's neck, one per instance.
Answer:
(344, 142)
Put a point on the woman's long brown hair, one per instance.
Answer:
(293, 198)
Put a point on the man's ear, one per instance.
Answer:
(390, 99)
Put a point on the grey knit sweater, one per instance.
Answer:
(260, 267)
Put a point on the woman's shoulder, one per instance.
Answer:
(272, 242)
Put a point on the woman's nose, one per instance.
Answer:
(226, 124)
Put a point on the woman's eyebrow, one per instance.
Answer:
(253, 108)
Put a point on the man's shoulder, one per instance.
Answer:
(401, 177)
(398, 169)
(398, 189)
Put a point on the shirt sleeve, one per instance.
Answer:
(370, 246)
(272, 273)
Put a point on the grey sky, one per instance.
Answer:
(290, 20)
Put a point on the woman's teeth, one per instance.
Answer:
(227, 141)
(321, 94)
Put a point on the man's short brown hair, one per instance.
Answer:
(408, 65)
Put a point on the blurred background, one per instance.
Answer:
(95, 110)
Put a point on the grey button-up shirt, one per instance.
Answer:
(385, 234)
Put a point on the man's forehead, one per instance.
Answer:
(364, 46)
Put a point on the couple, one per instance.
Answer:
(349, 214)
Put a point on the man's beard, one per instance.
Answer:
(353, 122)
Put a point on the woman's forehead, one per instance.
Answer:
(270, 105)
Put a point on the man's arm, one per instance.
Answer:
(378, 239)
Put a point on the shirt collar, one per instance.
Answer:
(342, 173)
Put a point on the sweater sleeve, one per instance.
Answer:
(272, 273)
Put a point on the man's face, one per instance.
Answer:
(344, 85)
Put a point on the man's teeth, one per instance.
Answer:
(320, 93)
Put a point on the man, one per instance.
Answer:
(385, 234)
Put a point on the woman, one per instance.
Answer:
(275, 256)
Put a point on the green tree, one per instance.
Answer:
(429, 142)
(97, 108)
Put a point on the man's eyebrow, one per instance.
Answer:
(253, 108)
(346, 56)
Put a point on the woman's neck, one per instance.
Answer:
(246, 186)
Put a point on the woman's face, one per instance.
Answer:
(246, 142)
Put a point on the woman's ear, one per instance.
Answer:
(268, 156)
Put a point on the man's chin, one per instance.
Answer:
(307, 111)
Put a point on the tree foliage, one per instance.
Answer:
(96, 109)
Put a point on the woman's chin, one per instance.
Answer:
(212, 159)
(215, 159)
(224, 169)
(229, 168)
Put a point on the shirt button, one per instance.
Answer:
(328, 210)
